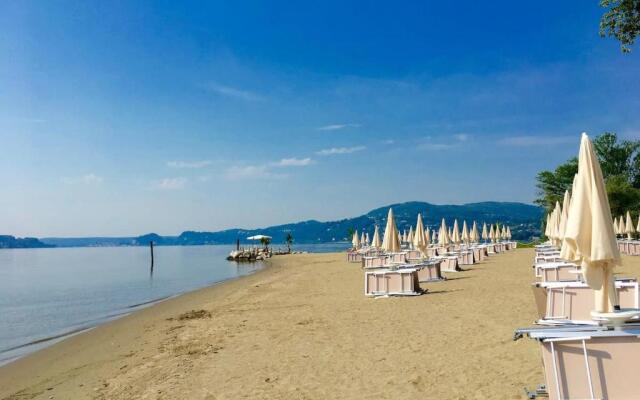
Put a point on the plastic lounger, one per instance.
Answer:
(589, 362)
(572, 302)
(401, 282)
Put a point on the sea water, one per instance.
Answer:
(48, 294)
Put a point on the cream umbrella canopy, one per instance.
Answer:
(547, 226)
(455, 233)
(492, 235)
(443, 235)
(485, 233)
(638, 226)
(621, 226)
(615, 226)
(465, 233)
(391, 242)
(419, 240)
(375, 241)
(434, 236)
(427, 236)
(508, 233)
(629, 229)
(474, 233)
(555, 221)
(355, 241)
(565, 215)
(410, 235)
(589, 238)
(363, 240)
(503, 234)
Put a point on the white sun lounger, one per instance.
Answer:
(588, 362)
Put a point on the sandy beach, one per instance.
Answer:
(302, 329)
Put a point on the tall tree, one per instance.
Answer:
(289, 241)
(620, 163)
(622, 21)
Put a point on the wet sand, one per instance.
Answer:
(302, 329)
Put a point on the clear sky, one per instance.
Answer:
(126, 117)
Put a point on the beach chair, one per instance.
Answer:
(375, 262)
(386, 282)
(449, 263)
(588, 362)
(572, 302)
(464, 257)
(555, 271)
(354, 257)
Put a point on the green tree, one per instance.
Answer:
(622, 21)
(265, 242)
(289, 241)
(552, 184)
(622, 196)
(620, 163)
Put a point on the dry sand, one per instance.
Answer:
(302, 329)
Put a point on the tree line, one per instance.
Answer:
(620, 163)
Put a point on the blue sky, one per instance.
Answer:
(120, 118)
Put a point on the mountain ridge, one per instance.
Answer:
(524, 220)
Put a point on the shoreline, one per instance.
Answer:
(56, 337)
(301, 328)
(18, 372)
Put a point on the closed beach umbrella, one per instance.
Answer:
(492, 236)
(621, 227)
(390, 241)
(629, 229)
(443, 235)
(465, 233)
(638, 226)
(547, 227)
(455, 232)
(555, 222)
(366, 238)
(615, 226)
(589, 238)
(508, 233)
(427, 235)
(355, 241)
(419, 240)
(485, 233)
(434, 236)
(375, 241)
(363, 240)
(410, 235)
(474, 233)
(565, 214)
(503, 234)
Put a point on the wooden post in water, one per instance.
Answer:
(151, 247)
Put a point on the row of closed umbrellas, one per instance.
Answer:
(622, 226)
(421, 237)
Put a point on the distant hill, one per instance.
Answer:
(90, 241)
(12, 242)
(524, 220)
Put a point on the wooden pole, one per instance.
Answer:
(151, 248)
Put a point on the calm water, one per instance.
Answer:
(47, 294)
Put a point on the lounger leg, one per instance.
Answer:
(555, 371)
(586, 363)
